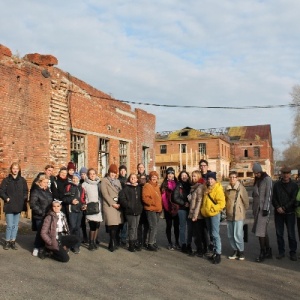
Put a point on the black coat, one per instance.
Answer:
(16, 190)
(179, 195)
(130, 199)
(73, 191)
(58, 187)
(284, 195)
(40, 202)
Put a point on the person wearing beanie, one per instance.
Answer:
(110, 188)
(83, 177)
(153, 206)
(71, 170)
(74, 199)
(123, 179)
(170, 209)
(180, 197)
(213, 204)
(262, 194)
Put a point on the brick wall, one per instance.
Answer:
(41, 105)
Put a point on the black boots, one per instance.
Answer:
(216, 259)
(91, 245)
(131, 247)
(264, 253)
(13, 245)
(6, 245)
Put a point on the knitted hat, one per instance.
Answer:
(170, 170)
(212, 175)
(83, 170)
(256, 168)
(71, 165)
(113, 169)
(76, 175)
(153, 173)
(122, 167)
(286, 170)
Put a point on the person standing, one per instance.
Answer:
(110, 188)
(14, 192)
(92, 194)
(170, 209)
(141, 171)
(40, 203)
(203, 166)
(123, 180)
(213, 204)
(180, 197)
(284, 200)
(237, 203)
(153, 206)
(130, 199)
(262, 195)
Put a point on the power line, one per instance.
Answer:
(193, 106)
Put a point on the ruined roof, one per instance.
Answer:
(257, 132)
(185, 133)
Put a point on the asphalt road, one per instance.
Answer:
(146, 275)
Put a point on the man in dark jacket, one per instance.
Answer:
(283, 200)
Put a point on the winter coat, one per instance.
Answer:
(262, 194)
(284, 195)
(16, 190)
(92, 194)
(166, 195)
(48, 231)
(109, 191)
(40, 202)
(180, 194)
(58, 187)
(152, 197)
(237, 202)
(197, 191)
(73, 191)
(213, 207)
(130, 199)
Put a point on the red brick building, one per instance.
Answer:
(183, 149)
(49, 116)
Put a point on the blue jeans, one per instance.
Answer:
(123, 232)
(12, 221)
(289, 220)
(235, 234)
(75, 223)
(213, 225)
(182, 214)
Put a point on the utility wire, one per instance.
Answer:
(194, 106)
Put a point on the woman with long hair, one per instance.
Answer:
(170, 209)
(14, 192)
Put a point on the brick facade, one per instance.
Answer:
(43, 109)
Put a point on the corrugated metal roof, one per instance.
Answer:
(257, 132)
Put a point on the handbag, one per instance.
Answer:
(223, 215)
(92, 208)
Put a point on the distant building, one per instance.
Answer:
(184, 148)
(225, 149)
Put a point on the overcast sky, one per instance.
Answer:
(182, 52)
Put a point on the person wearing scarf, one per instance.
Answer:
(110, 188)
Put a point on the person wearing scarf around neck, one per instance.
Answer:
(110, 188)
(92, 194)
(55, 232)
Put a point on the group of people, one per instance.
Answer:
(131, 207)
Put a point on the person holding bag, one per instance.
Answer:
(14, 192)
(237, 203)
(91, 186)
(110, 188)
(212, 205)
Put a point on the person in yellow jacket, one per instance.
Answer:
(212, 205)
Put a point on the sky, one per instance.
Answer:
(227, 53)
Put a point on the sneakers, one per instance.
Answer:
(6, 245)
(280, 256)
(241, 255)
(35, 252)
(217, 259)
(171, 247)
(234, 255)
(75, 250)
(151, 248)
